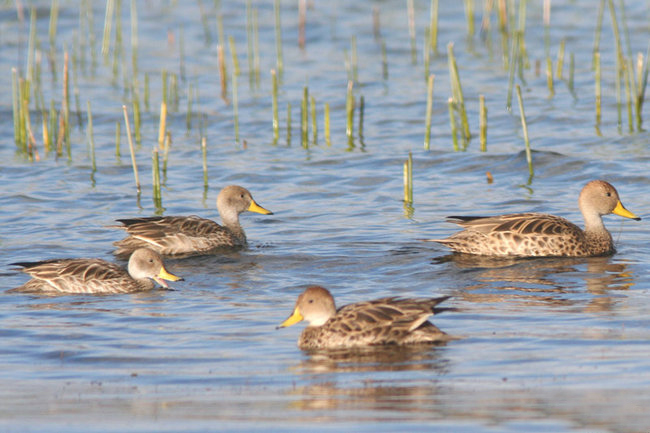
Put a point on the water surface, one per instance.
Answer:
(547, 345)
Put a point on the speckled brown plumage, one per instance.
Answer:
(538, 234)
(191, 235)
(96, 275)
(385, 321)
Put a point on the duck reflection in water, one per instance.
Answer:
(379, 391)
(543, 282)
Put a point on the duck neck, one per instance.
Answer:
(230, 220)
(597, 236)
(593, 223)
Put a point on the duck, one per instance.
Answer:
(542, 235)
(384, 321)
(191, 235)
(96, 276)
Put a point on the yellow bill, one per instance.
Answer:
(164, 275)
(254, 207)
(293, 319)
(621, 211)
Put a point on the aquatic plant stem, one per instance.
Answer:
(524, 127)
(483, 122)
(274, 106)
(427, 127)
(131, 149)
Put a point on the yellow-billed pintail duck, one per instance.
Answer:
(96, 276)
(538, 234)
(191, 235)
(385, 321)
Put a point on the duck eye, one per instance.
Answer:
(311, 301)
(609, 194)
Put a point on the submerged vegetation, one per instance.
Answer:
(60, 69)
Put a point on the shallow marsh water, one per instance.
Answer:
(547, 345)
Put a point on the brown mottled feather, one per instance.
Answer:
(538, 234)
(191, 235)
(385, 321)
(91, 275)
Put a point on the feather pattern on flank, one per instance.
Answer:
(385, 321)
(96, 275)
(191, 235)
(542, 235)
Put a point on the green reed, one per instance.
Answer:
(314, 125)
(190, 100)
(469, 14)
(146, 92)
(362, 107)
(155, 171)
(483, 122)
(118, 49)
(408, 180)
(204, 154)
(572, 65)
(108, 22)
(222, 72)
(549, 77)
(628, 80)
(91, 139)
(457, 92)
(162, 126)
(30, 45)
(181, 54)
(118, 135)
(326, 124)
(131, 148)
(642, 79)
(288, 123)
(560, 59)
(452, 122)
(274, 106)
(349, 112)
(137, 118)
(173, 92)
(233, 54)
(75, 90)
(512, 68)
(433, 26)
(15, 104)
(597, 88)
(54, 17)
(524, 126)
(167, 144)
(597, 36)
(427, 127)
(304, 113)
(411, 21)
(354, 59)
(426, 51)
(66, 104)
